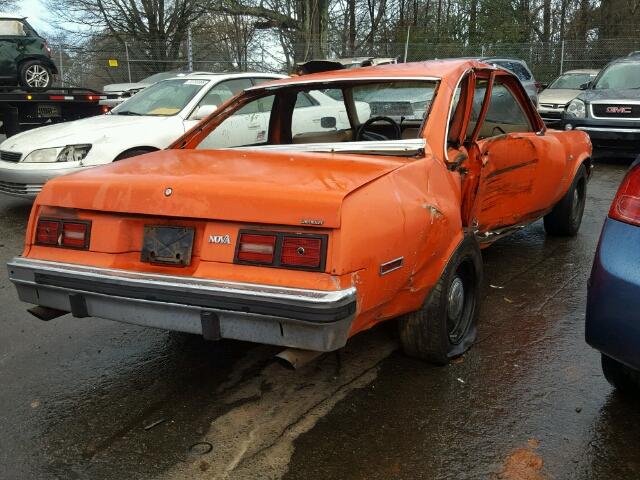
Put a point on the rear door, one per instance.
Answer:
(520, 168)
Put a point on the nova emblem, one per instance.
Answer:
(618, 109)
(311, 221)
(168, 191)
(220, 239)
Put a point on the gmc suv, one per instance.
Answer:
(608, 109)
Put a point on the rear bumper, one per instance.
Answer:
(309, 319)
(613, 299)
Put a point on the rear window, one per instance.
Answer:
(401, 101)
(516, 67)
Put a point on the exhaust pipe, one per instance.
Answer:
(295, 358)
(45, 313)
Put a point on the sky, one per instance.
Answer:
(36, 15)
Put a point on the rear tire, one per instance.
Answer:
(34, 75)
(445, 326)
(565, 218)
(620, 376)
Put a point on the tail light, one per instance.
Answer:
(626, 204)
(301, 252)
(75, 234)
(63, 233)
(256, 248)
(46, 46)
(538, 86)
(48, 232)
(282, 250)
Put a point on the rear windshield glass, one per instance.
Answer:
(620, 76)
(572, 80)
(406, 101)
(164, 98)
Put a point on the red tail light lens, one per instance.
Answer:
(75, 235)
(63, 233)
(301, 252)
(256, 248)
(626, 204)
(48, 232)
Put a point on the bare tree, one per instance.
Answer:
(158, 27)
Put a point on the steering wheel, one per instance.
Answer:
(363, 134)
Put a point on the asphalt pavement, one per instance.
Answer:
(93, 399)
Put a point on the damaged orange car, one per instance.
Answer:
(302, 231)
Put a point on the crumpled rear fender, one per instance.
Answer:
(412, 214)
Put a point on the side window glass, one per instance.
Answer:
(219, 94)
(223, 91)
(504, 115)
(457, 111)
(304, 100)
(317, 117)
(259, 80)
(12, 28)
(247, 126)
(479, 92)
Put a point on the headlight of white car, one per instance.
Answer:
(70, 153)
(74, 153)
(576, 109)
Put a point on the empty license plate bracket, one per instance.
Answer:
(167, 245)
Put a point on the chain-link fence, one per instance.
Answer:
(97, 66)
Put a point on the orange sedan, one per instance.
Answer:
(326, 226)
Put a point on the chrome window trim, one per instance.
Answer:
(391, 146)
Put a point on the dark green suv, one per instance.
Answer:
(25, 57)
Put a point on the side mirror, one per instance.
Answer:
(204, 111)
(585, 86)
(328, 122)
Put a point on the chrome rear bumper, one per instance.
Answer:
(310, 319)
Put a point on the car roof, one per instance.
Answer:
(11, 16)
(431, 69)
(224, 75)
(628, 59)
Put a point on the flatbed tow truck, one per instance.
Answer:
(22, 110)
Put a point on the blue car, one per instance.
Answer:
(613, 300)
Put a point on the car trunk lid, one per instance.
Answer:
(238, 185)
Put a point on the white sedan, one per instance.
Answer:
(150, 120)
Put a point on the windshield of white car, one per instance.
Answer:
(163, 99)
(571, 81)
(620, 76)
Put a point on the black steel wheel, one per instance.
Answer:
(445, 326)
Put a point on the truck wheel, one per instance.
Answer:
(445, 326)
(620, 376)
(35, 76)
(565, 218)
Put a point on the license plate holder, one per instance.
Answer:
(167, 245)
